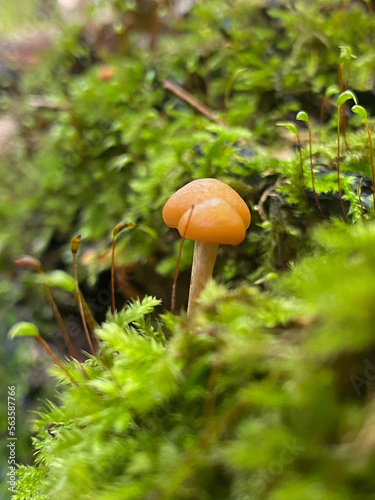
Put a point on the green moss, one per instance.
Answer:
(256, 399)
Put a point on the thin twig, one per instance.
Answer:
(191, 100)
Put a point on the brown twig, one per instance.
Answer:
(191, 100)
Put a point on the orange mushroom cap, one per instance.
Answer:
(219, 216)
(213, 221)
(197, 191)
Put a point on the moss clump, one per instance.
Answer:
(266, 395)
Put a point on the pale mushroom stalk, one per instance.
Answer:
(203, 265)
(220, 217)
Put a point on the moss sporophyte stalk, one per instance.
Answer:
(360, 111)
(31, 263)
(116, 231)
(75, 244)
(66, 282)
(341, 100)
(26, 329)
(303, 116)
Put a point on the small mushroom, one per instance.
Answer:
(211, 213)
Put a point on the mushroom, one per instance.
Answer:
(211, 213)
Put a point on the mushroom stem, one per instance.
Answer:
(203, 266)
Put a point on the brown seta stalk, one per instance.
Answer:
(173, 302)
(74, 248)
(371, 163)
(33, 264)
(338, 163)
(116, 231)
(312, 170)
(53, 356)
